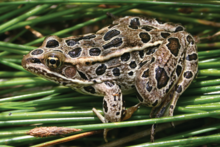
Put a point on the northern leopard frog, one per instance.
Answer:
(158, 61)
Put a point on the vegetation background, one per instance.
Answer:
(28, 101)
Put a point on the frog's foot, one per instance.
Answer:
(126, 115)
(160, 111)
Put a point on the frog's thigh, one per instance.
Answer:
(151, 83)
(113, 102)
(189, 72)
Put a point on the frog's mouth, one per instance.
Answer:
(37, 66)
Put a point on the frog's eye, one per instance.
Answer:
(54, 60)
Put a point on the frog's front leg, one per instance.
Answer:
(113, 104)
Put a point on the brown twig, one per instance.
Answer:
(51, 131)
(66, 139)
(36, 33)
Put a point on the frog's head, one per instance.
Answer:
(51, 61)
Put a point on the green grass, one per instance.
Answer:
(28, 101)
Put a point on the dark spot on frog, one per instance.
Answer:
(58, 51)
(72, 42)
(179, 28)
(114, 43)
(145, 73)
(110, 34)
(148, 87)
(94, 52)
(125, 57)
(155, 103)
(109, 84)
(188, 74)
(145, 37)
(147, 28)
(101, 69)
(190, 39)
(134, 23)
(161, 112)
(88, 37)
(178, 70)
(131, 73)
(171, 106)
(173, 46)
(152, 60)
(114, 98)
(141, 54)
(133, 64)
(179, 89)
(52, 43)
(89, 89)
(117, 113)
(82, 75)
(161, 77)
(116, 71)
(75, 52)
(191, 57)
(105, 106)
(37, 52)
(165, 35)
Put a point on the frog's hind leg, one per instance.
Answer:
(188, 72)
(171, 70)
(190, 69)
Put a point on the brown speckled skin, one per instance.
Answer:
(159, 61)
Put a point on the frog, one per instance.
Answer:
(134, 54)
